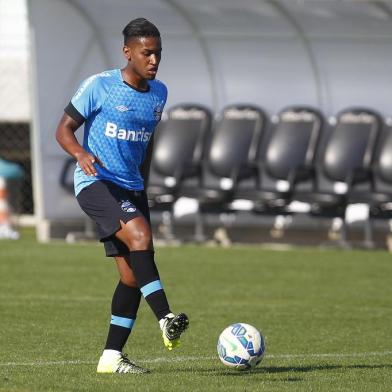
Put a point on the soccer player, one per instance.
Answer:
(120, 109)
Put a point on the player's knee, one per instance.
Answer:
(141, 239)
(136, 234)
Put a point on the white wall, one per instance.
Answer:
(14, 81)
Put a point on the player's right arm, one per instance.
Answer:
(87, 100)
(65, 136)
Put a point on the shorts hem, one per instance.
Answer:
(116, 254)
(112, 232)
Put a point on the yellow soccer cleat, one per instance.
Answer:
(172, 329)
(119, 364)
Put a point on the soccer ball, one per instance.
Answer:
(241, 346)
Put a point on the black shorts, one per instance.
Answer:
(107, 204)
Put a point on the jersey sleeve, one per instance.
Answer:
(164, 95)
(90, 96)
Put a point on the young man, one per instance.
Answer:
(120, 109)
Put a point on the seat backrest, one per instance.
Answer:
(179, 140)
(234, 140)
(383, 163)
(293, 141)
(67, 175)
(351, 143)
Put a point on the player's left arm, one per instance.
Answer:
(145, 166)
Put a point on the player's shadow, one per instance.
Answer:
(228, 373)
(315, 368)
(282, 369)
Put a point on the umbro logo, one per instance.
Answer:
(122, 108)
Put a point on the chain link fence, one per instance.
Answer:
(15, 147)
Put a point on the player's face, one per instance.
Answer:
(144, 56)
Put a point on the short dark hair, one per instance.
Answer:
(139, 27)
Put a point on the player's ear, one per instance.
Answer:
(127, 52)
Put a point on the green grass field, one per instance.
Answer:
(326, 317)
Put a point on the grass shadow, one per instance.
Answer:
(314, 368)
(278, 369)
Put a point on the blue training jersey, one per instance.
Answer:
(119, 123)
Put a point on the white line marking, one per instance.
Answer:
(190, 359)
(66, 298)
(47, 363)
(177, 359)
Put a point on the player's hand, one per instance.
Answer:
(87, 161)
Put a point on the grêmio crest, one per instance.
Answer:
(158, 111)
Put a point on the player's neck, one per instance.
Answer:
(134, 80)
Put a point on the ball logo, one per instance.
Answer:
(127, 206)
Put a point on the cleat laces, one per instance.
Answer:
(126, 366)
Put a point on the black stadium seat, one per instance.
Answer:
(178, 145)
(284, 160)
(381, 192)
(232, 145)
(376, 188)
(343, 162)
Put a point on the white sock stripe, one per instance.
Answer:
(190, 358)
